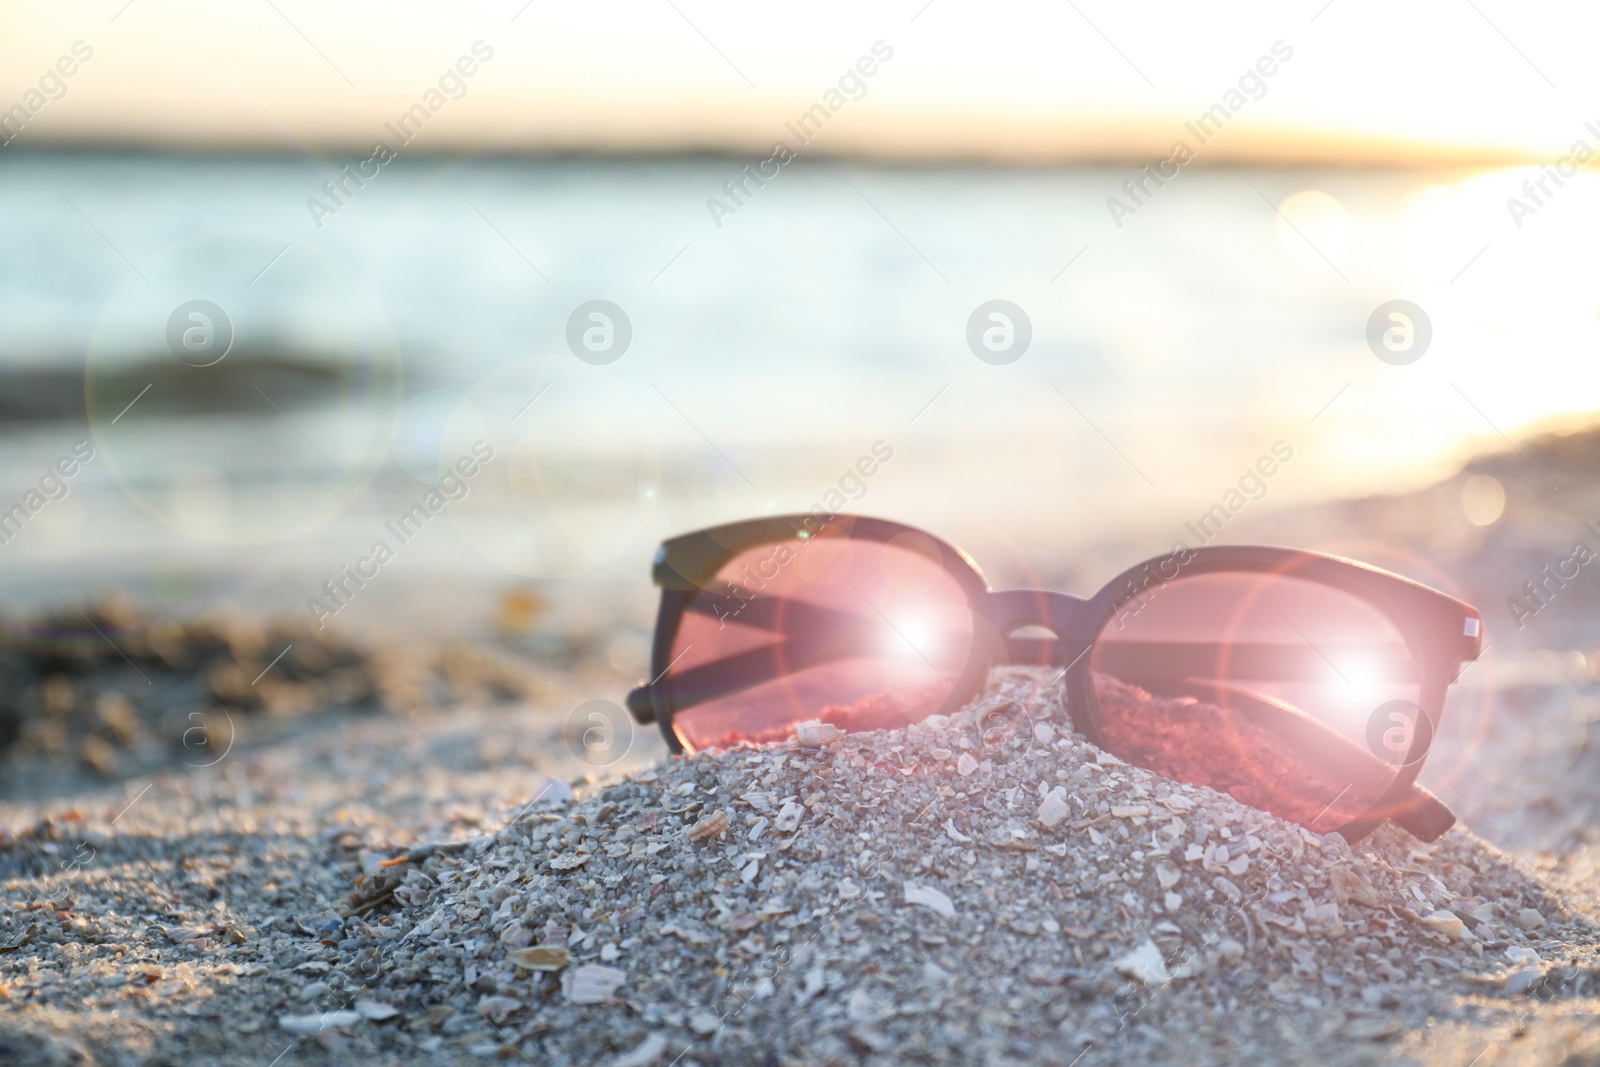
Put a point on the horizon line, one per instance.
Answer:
(1375, 156)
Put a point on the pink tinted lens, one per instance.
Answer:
(861, 634)
(1287, 694)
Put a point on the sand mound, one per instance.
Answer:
(986, 888)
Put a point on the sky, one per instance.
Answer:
(1363, 82)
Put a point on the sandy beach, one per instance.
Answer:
(966, 433)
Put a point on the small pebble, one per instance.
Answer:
(592, 983)
(1144, 964)
(1446, 923)
(713, 825)
(374, 1010)
(1052, 810)
(647, 1053)
(815, 734)
(497, 1009)
(311, 1024)
(930, 898)
(1524, 981)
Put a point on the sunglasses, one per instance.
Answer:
(1298, 683)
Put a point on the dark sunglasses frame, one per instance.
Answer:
(1441, 633)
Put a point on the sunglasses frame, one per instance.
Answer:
(1440, 631)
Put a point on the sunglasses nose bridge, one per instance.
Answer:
(1011, 609)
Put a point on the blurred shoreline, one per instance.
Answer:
(768, 351)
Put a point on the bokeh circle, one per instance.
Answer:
(270, 442)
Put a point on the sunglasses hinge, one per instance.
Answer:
(642, 704)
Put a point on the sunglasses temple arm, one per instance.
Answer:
(1419, 813)
(1423, 815)
(641, 702)
(774, 613)
(746, 670)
